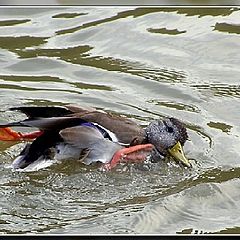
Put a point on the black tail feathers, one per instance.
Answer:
(43, 112)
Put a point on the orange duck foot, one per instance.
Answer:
(131, 154)
(7, 134)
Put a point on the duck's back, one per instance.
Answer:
(126, 130)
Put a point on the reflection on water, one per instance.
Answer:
(229, 28)
(165, 31)
(216, 204)
(143, 63)
(221, 89)
(20, 42)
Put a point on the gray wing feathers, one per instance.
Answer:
(80, 136)
(83, 137)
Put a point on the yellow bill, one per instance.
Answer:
(177, 152)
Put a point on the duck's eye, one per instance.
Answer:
(170, 129)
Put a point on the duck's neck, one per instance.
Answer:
(145, 138)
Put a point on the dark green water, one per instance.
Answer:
(143, 63)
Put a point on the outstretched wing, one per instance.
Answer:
(43, 112)
(54, 123)
(52, 111)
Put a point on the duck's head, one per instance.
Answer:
(168, 136)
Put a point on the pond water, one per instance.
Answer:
(143, 63)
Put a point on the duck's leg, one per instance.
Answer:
(8, 134)
(131, 154)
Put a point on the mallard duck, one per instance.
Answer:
(94, 136)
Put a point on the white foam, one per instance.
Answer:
(35, 166)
